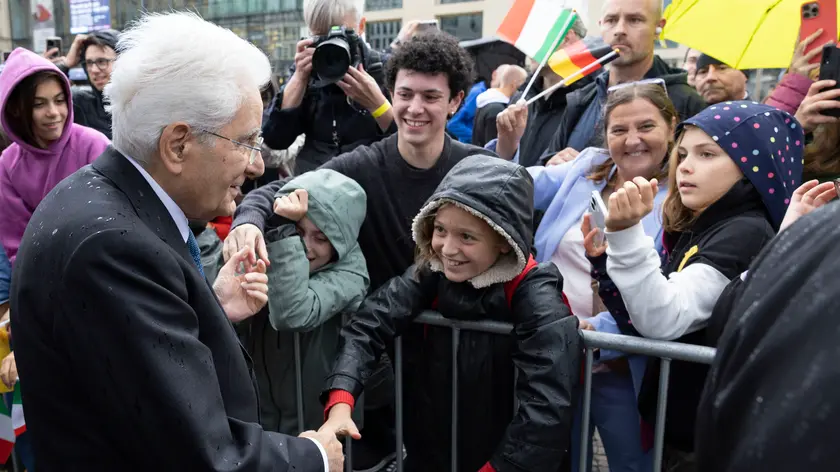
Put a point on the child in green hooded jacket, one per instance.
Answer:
(317, 273)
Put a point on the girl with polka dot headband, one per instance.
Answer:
(731, 176)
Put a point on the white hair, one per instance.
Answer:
(177, 67)
(321, 15)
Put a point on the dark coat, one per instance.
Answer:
(130, 362)
(544, 346)
(544, 117)
(484, 126)
(770, 400)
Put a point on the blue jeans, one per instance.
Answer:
(615, 413)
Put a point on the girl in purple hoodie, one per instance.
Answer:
(37, 114)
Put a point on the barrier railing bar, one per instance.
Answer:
(661, 407)
(515, 398)
(649, 347)
(299, 383)
(487, 326)
(665, 350)
(456, 340)
(616, 342)
(584, 423)
(348, 454)
(398, 380)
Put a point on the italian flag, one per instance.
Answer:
(18, 421)
(12, 424)
(534, 26)
(7, 432)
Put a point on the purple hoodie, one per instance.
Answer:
(28, 173)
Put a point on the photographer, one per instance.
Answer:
(337, 114)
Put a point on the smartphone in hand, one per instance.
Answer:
(54, 42)
(816, 15)
(598, 210)
(830, 70)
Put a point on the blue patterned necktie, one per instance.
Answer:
(192, 244)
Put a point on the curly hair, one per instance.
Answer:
(433, 53)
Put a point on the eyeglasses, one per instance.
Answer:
(255, 149)
(102, 63)
(657, 81)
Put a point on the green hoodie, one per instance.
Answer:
(309, 304)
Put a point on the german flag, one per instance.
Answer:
(574, 57)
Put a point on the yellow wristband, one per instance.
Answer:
(381, 110)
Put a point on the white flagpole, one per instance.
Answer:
(554, 44)
(609, 57)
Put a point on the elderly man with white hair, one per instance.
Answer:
(128, 356)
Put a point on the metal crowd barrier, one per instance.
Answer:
(666, 351)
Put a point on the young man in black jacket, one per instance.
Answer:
(427, 76)
(631, 26)
(96, 52)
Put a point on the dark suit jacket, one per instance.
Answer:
(126, 358)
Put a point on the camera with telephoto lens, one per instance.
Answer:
(334, 53)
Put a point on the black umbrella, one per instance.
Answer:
(490, 53)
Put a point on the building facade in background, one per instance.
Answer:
(275, 26)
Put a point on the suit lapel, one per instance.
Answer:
(151, 211)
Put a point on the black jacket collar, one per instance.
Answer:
(741, 199)
(148, 207)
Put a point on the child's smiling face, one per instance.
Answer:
(466, 245)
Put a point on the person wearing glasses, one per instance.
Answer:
(110, 303)
(96, 53)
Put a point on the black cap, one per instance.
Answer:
(706, 60)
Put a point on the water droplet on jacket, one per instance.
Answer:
(54, 232)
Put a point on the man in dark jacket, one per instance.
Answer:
(717, 82)
(631, 27)
(96, 52)
(335, 117)
(493, 101)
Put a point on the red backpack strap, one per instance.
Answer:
(510, 287)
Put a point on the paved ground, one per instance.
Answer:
(599, 463)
